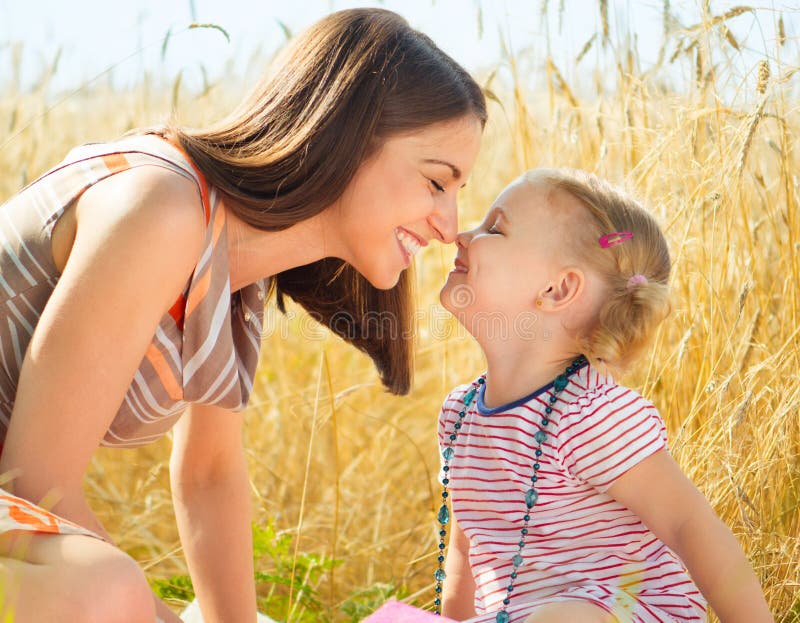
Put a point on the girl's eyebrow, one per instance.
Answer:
(501, 212)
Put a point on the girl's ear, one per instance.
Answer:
(563, 291)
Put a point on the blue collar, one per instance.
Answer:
(484, 410)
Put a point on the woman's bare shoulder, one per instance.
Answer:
(146, 198)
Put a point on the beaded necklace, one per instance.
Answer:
(531, 495)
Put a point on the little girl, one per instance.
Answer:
(566, 505)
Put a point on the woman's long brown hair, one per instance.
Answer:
(290, 149)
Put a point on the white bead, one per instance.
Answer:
(247, 316)
(260, 295)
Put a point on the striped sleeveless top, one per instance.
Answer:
(205, 349)
(581, 543)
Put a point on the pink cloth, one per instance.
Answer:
(397, 612)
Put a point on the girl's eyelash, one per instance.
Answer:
(493, 230)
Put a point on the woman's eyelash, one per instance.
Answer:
(437, 186)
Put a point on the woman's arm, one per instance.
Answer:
(458, 596)
(97, 324)
(677, 513)
(95, 328)
(211, 495)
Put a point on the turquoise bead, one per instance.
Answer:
(517, 560)
(440, 575)
(502, 617)
(540, 436)
(468, 397)
(448, 454)
(531, 496)
(444, 514)
(560, 383)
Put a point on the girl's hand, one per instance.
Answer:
(677, 513)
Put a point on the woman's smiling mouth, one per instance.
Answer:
(408, 242)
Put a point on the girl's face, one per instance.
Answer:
(504, 264)
(404, 196)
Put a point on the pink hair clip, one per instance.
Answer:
(636, 280)
(612, 240)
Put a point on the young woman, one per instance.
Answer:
(133, 277)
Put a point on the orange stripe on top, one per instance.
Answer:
(115, 162)
(202, 285)
(219, 222)
(199, 292)
(165, 375)
(178, 310)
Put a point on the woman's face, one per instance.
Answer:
(405, 195)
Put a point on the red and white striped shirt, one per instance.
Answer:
(582, 544)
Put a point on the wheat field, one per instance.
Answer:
(344, 475)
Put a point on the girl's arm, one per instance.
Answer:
(677, 513)
(95, 328)
(211, 495)
(458, 596)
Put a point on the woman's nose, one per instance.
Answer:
(444, 221)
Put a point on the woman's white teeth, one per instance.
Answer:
(409, 243)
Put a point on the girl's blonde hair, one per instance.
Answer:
(632, 310)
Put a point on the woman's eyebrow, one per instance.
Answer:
(456, 171)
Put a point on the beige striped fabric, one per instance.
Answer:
(205, 350)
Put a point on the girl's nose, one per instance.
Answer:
(462, 239)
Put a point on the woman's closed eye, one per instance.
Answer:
(436, 185)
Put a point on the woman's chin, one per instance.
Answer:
(383, 281)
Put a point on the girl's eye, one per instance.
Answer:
(493, 230)
(437, 186)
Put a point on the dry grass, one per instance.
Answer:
(324, 439)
